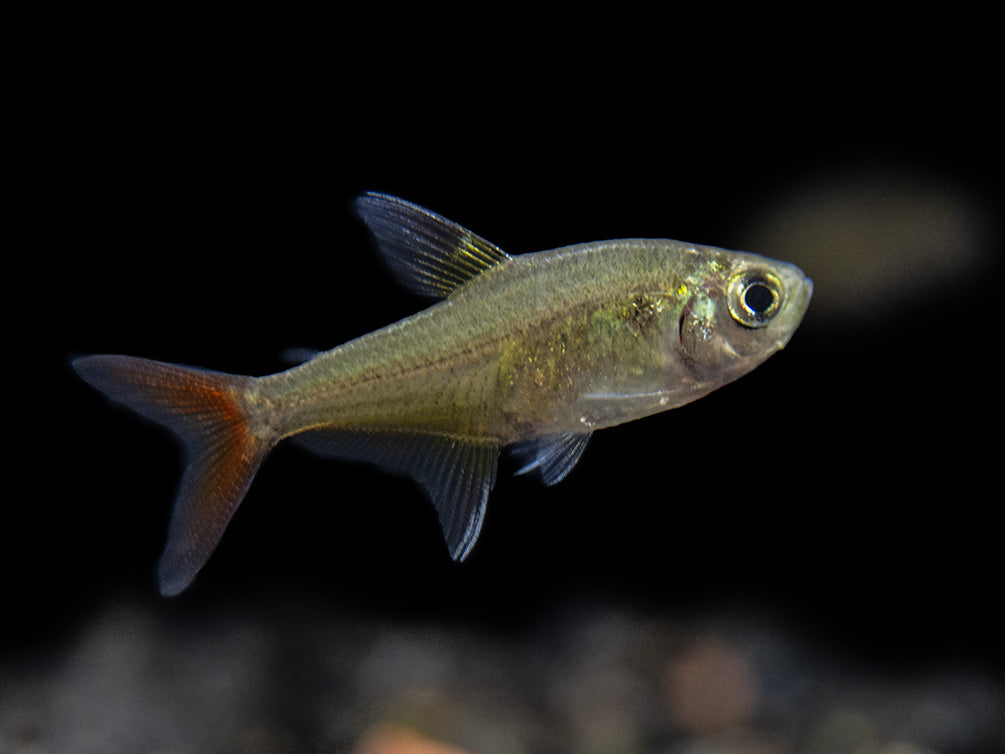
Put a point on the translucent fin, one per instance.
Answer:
(430, 254)
(205, 410)
(457, 472)
(554, 455)
(648, 395)
(297, 355)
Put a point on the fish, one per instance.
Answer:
(530, 352)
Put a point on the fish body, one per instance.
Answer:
(534, 351)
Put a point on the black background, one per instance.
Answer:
(188, 199)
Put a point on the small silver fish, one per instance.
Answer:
(535, 351)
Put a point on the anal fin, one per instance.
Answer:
(457, 472)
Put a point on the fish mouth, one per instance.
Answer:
(801, 300)
(807, 291)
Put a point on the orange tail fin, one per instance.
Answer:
(206, 410)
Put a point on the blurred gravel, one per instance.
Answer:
(277, 674)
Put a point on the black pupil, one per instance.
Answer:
(758, 298)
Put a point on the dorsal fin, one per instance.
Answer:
(430, 254)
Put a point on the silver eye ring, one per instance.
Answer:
(755, 297)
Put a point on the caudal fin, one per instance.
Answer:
(206, 410)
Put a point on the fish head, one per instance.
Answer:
(743, 308)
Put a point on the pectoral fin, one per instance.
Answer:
(554, 455)
(457, 472)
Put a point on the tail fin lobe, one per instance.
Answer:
(206, 410)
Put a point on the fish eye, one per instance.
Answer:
(755, 297)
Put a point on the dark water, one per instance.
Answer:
(805, 561)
